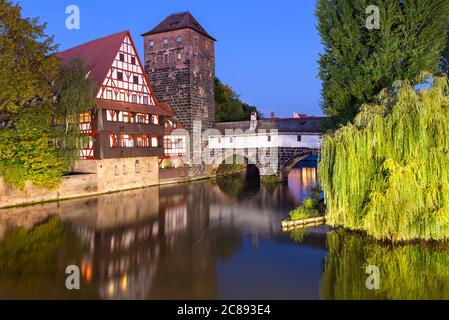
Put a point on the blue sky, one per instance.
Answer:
(266, 50)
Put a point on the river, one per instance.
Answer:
(205, 240)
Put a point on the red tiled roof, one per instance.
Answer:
(98, 54)
(178, 21)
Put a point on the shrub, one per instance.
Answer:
(305, 211)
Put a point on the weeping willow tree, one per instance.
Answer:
(406, 272)
(388, 173)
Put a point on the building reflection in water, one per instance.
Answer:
(166, 242)
(301, 181)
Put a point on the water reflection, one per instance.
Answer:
(302, 180)
(407, 272)
(192, 241)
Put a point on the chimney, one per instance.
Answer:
(253, 121)
(253, 116)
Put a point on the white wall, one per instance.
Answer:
(261, 141)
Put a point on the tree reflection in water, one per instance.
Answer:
(407, 271)
(169, 242)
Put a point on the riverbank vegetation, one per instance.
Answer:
(305, 211)
(41, 100)
(406, 272)
(388, 173)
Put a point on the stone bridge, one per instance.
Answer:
(275, 146)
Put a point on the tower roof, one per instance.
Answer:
(177, 21)
(98, 54)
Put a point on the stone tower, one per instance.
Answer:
(180, 63)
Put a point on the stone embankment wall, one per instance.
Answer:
(92, 177)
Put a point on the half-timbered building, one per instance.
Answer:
(123, 133)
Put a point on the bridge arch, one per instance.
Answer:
(290, 157)
(247, 159)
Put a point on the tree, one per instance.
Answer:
(358, 63)
(76, 93)
(229, 107)
(388, 174)
(42, 100)
(26, 63)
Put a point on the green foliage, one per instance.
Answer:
(26, 63)
(25, 151)
(444, 66)
(35, 91)
(305, 211)
(25, 252)
(358, 63)
(298, 235)
(388, 173)
(76, 95)
(228, 106)
(407, 272)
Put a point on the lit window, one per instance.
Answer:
(142, 118)
(151, 44)
(111, 115)
(113, 141)
(154, 142)
(142, 140)
(165, 42)
(125, 116)
(154, 119)
(126, 141)
(85, 117)
(179, 56)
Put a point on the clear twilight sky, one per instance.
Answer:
(266, 50)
